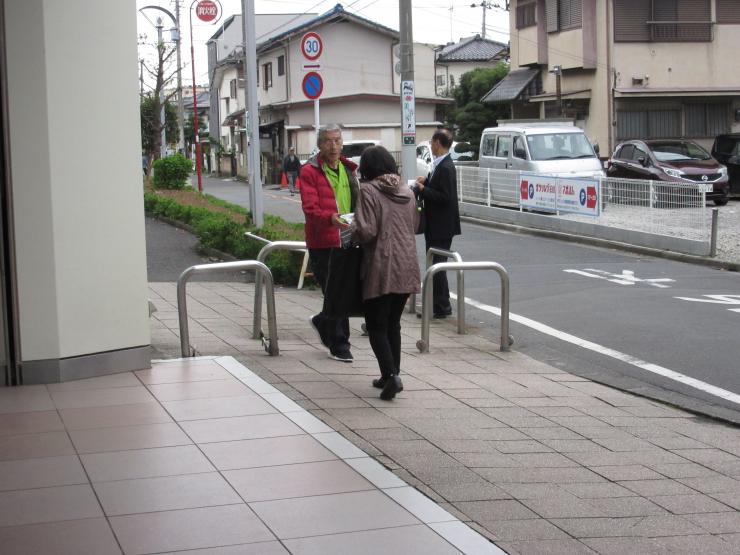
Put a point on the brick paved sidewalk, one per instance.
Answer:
(535, 458)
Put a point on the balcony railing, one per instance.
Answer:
(681, 31)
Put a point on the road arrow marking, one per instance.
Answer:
(627, 277)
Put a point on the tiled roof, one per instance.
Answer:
(511, 86)
(336, 13)
(473, 49)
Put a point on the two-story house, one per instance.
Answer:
(457, 58)
(626, 68)
(226, 77)
(361, 84)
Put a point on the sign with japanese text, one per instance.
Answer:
(408, 113)
(556, 194)
(206, 10)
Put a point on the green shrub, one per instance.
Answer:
(218, 230)
(171, 172)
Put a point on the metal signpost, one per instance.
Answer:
(408, 100)
(252, 113)
(313, 85)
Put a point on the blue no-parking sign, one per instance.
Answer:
(312, 85)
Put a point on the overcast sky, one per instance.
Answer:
(433, 20)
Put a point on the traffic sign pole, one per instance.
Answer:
(313, 85)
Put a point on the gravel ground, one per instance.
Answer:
(728, 235)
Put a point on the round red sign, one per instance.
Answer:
(206, 10)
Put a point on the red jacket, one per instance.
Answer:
(319, 203)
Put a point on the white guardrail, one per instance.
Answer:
(655, 207)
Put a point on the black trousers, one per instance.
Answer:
(440, 288)
(336, 330)
(383, 323)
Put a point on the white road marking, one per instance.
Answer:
(716, 299)
(629, 359)
(627, 277)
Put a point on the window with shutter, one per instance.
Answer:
(706, 120)
(630, 21)
(681, 21)
(570, 14)
(728, 11)
(526, 15)
(281, 65)
(551, 13)
(232, 88)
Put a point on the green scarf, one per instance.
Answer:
(339, 181)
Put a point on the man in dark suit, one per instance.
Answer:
(441, 215)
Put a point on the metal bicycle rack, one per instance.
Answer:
(460, 286)
(270, 343)
(298, 246)
(426, 305)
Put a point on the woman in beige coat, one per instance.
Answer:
(385, 222)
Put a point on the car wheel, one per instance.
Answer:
(721, 201)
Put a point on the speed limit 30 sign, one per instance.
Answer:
(311, 46)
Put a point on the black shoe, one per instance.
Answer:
(342, 356)
(314, 321)
(441, 315)
(393, 386)
(380, 382)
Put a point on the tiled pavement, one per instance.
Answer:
(535, 458)
(203, 454)
(199, 456)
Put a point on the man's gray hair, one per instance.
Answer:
(324, 129)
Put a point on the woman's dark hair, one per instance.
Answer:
(376, 161)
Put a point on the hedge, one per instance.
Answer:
(224, 231)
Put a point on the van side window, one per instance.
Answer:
(519, 149)
(503, 146)
(488, 144)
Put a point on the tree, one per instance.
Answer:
(151, 126)
(469, 116)
(189, 129)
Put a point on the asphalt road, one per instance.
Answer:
(618, 301)
(613, 316)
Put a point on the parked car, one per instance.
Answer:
(726, 150)
(354, 149)
(542, 147)
(679, 161)
(459, 152)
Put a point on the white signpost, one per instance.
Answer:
(408, 112)
(312, 47)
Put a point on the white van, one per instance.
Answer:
(544, 147)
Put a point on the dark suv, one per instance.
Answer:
(679, 161)
(726, 150)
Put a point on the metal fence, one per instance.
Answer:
(657, 207)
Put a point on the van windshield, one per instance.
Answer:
(559, 146)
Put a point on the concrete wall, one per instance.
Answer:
(77, 200)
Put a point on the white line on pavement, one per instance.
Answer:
(629, 359)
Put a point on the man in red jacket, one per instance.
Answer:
(329, 189)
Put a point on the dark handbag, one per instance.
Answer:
(343, 292)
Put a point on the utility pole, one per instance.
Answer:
(558, 72)
(408, 97)
(163, 136)
(141, 78)
(487, 6)
(251, 113)
(180, 104)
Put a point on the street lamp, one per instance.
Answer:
(174, 37)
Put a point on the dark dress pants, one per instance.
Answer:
(383, 323)
(336, 330)
(440, 288)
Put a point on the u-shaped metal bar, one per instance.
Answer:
(426, 304)
(299, 246)
(271, 343)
